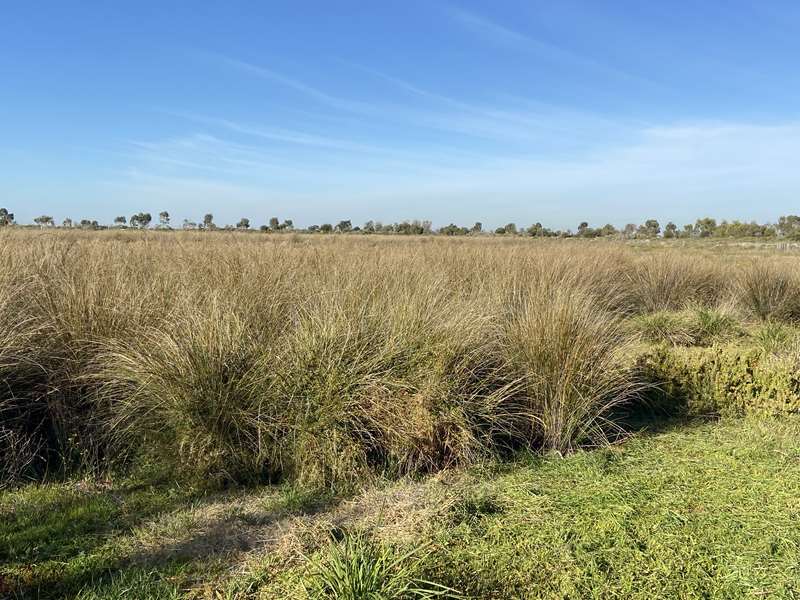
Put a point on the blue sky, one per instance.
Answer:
(466, 111)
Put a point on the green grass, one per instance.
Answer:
(705, 512)
(699, 510)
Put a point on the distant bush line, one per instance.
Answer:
(786, 227)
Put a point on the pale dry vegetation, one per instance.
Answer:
(327, 361)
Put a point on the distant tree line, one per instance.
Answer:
(786, 227)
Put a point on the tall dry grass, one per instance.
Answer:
(324, 359)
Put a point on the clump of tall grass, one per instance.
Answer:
(191, 395)
(669, 281)
(663, 326)
(697, 325)
(570, 351)
(774, 337)
(361, 379)
(768, 292)
(714, 324)
(23, 423)
(80, 295)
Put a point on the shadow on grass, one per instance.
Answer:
(55, 544)
(52, 536)
(657, 412)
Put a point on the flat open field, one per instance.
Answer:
(231, 415)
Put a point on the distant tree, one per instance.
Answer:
(649, 229)
(477, 227)
(344, 226)
(414, 227)
(208, 221)
(537, 230)
(369, 227)
(88, 224)
(287, 225)
(738, 229)
(453, 229)
(326, 228)
(44, 221)
(589, 232)
(120, 221)
(500, 231)
(313, 228)
(511, 229)
(629, 230)
(141, 220)
(789, 226)
(243, 224)
(670, 230)
(688, 231)
(705, 227)
(67, 223)
(274, 224)
(187, 224)
(607, 230)
(6, 218)
(163, 219)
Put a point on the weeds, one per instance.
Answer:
(356, 568)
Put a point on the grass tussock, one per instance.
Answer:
(569, 353)
(769, 292)
(670, 281)
(356, 567)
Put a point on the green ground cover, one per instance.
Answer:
(703, 509)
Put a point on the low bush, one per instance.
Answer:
(722, 380)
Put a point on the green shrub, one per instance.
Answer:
(723, 380)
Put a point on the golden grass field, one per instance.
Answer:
(327, 358)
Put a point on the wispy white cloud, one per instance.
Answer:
(438, 112)
(303, 88)
(501, 35)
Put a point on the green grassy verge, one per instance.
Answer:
(705, 510)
